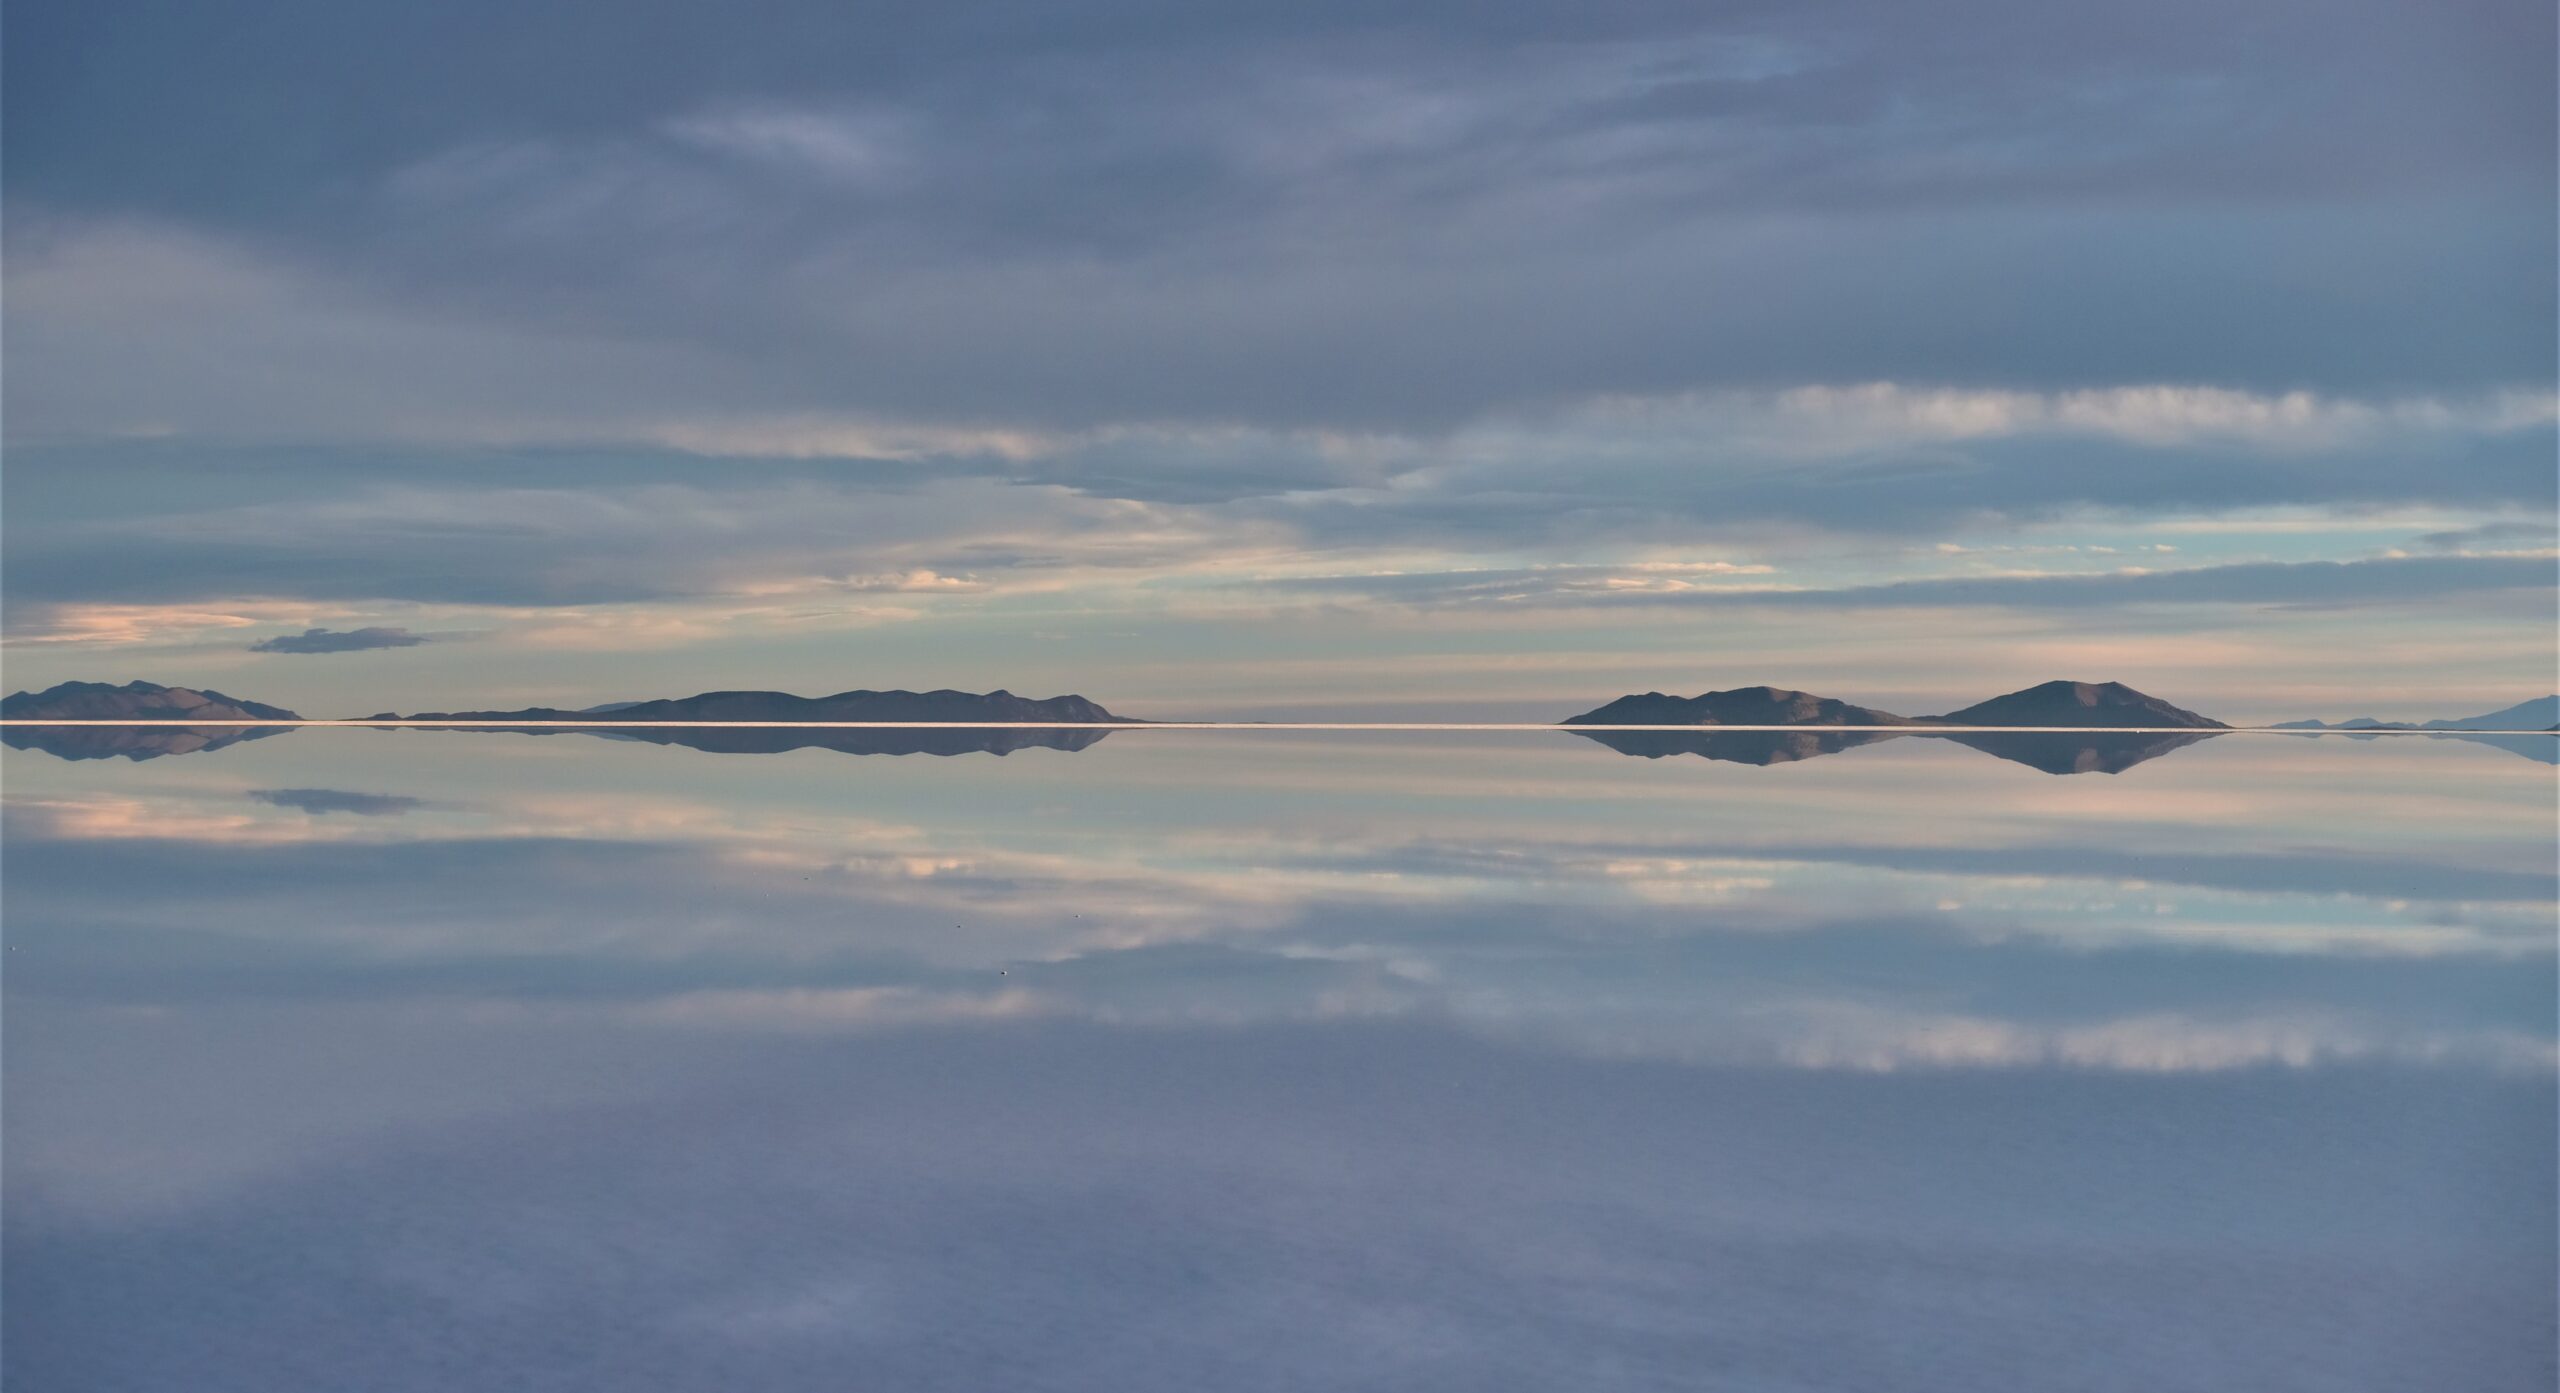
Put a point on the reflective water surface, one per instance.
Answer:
(1263, 1060)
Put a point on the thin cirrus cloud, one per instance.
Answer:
(619, 527)
(2381, 580)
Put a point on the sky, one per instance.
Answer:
(1477, 361)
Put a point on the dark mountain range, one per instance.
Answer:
(2541, 713)
(1743, 706)
(144, 707)
(2056, 752)
(150, 720)
(134, 701)
(2051, 704)
(767, 740)
(2077, 704)
(993, 707)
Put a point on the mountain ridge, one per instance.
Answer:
(2066, 703)
(134, 701)
(943, 704)
(2056, 703)
(2533, 714)
(1739, 706)
(147, 720)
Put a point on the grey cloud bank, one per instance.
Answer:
(2401, 579)
(839, 318)
(323, 801)
(994, 214)
(338, 641)
(555, 527)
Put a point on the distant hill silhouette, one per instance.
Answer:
(760, 740)
(996, 706)
(1742, 706)
(2049, 704)
(134, 701)
(2077, 704)
(2541, 713)
(2055, 752)
(160, 714)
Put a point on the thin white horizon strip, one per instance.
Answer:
(1267, 725)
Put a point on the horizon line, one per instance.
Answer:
(394, 724)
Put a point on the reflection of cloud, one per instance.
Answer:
(832, 1010)
(338, 641)
(109, 818)
(656, 913)
(321, 801)
(1865, 1038)
(1345, 1205)
(135, 743)
(1181, 883)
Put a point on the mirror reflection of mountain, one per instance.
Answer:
(944, 705)
(2540, 714)
(766, 740)
(744, 708)
(2058, 703)
(1735, 746)
(2542, 749)
(2062, 752)
(134, 742)
(2049, 704)
(155, 711)
(2076, 752)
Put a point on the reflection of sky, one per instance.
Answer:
(1496, 1057)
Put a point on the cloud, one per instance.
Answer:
(338, 641)
(322, 801)
(79, 622)
(2382, 581)
(1123, 306)
(2510, 534)
(1325, 221)
(1734, 474)
(793, 539)
(2394, 580)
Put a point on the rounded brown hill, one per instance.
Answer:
(1742, 706)
(2079, 704)
(134, 701)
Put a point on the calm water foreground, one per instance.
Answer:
(399, 1060)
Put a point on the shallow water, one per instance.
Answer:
(1187, 1059)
